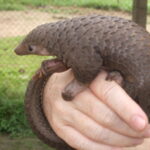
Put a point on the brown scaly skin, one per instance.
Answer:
(87, 44)
(33, 105)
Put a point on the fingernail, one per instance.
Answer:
(138, 122)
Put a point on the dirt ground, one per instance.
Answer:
(7, 143)
(20, 143)
(14, 23)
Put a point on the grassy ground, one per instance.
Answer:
(98, 4)
(103, 4)
(15, 73)
(15, 68)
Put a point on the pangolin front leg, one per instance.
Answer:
(48, 67)
(115, 76)
(75, 87)
(72, 89)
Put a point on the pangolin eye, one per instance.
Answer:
(30, 48)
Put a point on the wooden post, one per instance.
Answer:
(139, 12)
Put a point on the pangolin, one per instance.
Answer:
(89, 44)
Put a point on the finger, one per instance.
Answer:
(102, 114)
(78, 141)
(65, 114)
(118, 100)
(93, 107)
(74, 138)
(98, 133)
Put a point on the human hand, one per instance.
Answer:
(99, 118)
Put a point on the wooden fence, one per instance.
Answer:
(139, 13)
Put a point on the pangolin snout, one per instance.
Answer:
(18, 50)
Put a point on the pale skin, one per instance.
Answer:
(102, 117)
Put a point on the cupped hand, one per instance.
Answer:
(102, 117)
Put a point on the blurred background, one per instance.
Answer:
(17, 18)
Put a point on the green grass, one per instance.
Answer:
(125, 5)
(103, 4)
(15, 72)
(98, 4)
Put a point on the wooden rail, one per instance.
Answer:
(139, 12)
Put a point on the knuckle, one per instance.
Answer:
(100, 135)
(108, 91)
(80, 145)
(58, 129)
(55, 124)
(59, 107)
(109, 119)
(64, 113)
(59, 125)
(104, 135)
